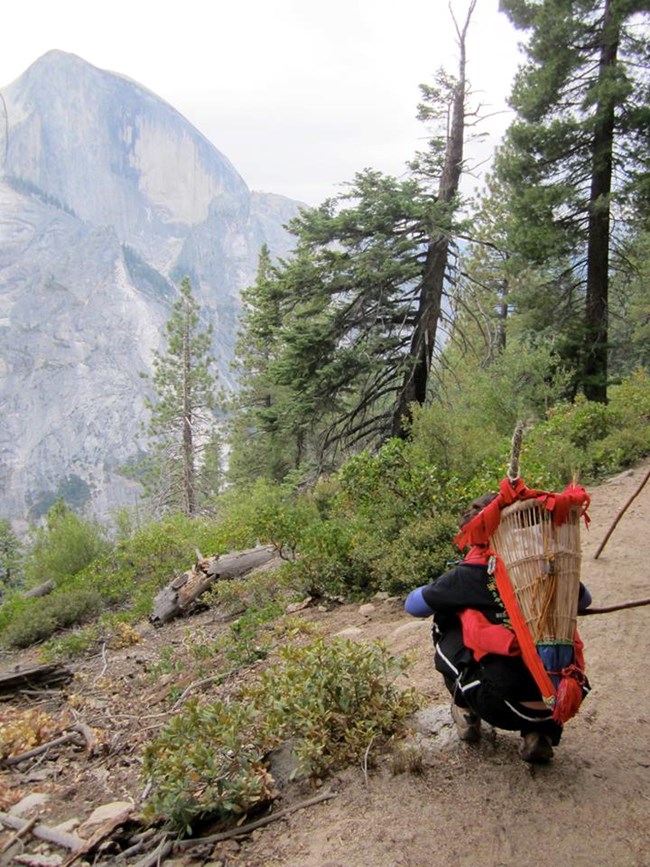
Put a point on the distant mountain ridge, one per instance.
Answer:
(108, 197)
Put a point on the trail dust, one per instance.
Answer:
(431, 799)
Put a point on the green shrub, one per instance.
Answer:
(628, 438)
(46, 615)
(589, 440)
(63, 547)
(269, 513)
(333, 700)
(331, 562)
(420, 553)
(208, 761)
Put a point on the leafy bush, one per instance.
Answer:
(208, 761)
(334, 700)
(63, 547)
(590, 439)
(269, 513)
(330, 561)
(45, 615)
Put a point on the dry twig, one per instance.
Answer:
(244, 830)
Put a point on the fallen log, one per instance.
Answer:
(50, 674)
(181, 595)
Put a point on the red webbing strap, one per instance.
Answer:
(526, 644)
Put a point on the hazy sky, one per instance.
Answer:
(298, 94)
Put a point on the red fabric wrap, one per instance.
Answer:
(566, 700)
(479, 530)
(483, 637)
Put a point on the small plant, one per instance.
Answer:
(407, 758)
(208, 762)
(246, 643)
(79, 642)
(22, 730)
(124, 635)
(333, 700)
(291, 627)
(168, 663)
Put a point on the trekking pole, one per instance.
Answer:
(620, 515)
(607, 608)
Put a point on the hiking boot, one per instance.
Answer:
(468, 723)
(536, 748)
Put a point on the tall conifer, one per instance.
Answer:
(182, 419)
(577, 156)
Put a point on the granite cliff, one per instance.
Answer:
(108, 197)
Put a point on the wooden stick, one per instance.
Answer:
(156, 857)
(515, 451)
(21, 832)
(619, 607)
(70, 737)
(44, 832)
(64, 739)
(243, 830)
(151, 836)
(620, 515)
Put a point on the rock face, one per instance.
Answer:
(108, 197)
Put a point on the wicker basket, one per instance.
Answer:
(543, 562)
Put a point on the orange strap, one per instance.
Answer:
(528, 650)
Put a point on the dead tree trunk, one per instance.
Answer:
(49, 675)
(414, 387)
(181, 595)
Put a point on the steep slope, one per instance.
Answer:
(468, 804)
(108, 197)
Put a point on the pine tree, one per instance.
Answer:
(182, 411)
(356, 310)
(263, 443)
(577, 156)
(10, 556)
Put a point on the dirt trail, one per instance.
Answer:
(480, 804)
(470, 805)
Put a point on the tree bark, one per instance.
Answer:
(595, 354)
(181, 595)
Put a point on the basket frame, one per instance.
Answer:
(543, 560)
